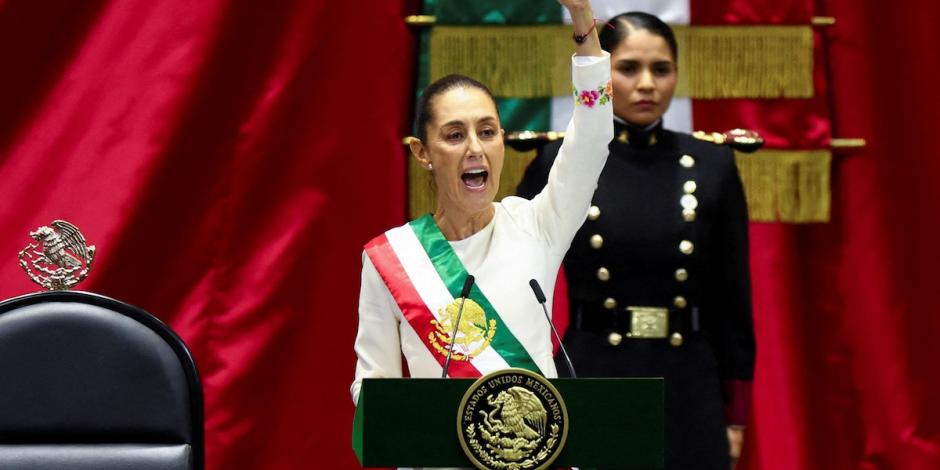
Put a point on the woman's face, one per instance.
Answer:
(464, 148)
(644, 77)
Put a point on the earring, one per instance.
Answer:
(430, 167)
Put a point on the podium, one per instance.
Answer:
(413, 423)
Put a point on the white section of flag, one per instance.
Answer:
(670, 11)
(679, 115)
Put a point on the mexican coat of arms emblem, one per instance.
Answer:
(59, 258)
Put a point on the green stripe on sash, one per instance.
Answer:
(453, 273)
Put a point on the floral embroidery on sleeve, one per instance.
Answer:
(589, 98)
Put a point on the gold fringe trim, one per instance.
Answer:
(514, 61)
(714, 61)
(745, 61)
(786, 186)
(780, 185)
(421, 193)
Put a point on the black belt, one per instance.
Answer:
(597, 319)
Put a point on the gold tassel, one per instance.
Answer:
(780, 186)
(514, 61)
(513, 170)
(714, 61)
(422, 197)
(786, 186)
(745, 61)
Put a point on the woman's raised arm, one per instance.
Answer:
(585, 27)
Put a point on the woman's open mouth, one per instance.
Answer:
(475, 179)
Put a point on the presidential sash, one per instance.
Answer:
(425, 277)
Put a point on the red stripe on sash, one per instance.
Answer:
(412, 307)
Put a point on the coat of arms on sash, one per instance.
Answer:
(59, 258)
(474, 333)
(512, 419)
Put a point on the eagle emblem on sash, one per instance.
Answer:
(474, 333)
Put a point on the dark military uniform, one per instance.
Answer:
(667, 232)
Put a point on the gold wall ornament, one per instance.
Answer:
(512, 419)
(59, 258)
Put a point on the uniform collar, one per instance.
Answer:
(639, 137)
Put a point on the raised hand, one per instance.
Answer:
(585, 26)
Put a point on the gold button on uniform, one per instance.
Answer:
(603, 274)
(610, 303)
(594, 212)
(686, 247)
(682, 274)
(614, 338)
(597, 241)
(675, 339)
(689, 187)
(688, 215)
(688, 201)
(679, 301)
(687, 161)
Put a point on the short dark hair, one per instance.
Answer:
(616, 30)
(440, 86)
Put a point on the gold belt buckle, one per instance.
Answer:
(649, 322)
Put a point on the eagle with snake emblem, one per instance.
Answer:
(60, 258)
(516, 424)
(512, 419)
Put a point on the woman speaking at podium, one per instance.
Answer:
(412, 275)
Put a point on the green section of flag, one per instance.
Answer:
(521, 114)
(424, 67)
(453, 273)
(516, 114)
(473, 12)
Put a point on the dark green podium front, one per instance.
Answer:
(413, 423)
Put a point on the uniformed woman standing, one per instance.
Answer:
(658, 274)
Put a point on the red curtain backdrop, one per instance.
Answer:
(845, 314)
(230, 158)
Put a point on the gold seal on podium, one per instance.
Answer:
(512, 419)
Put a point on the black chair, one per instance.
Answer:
(88, 382)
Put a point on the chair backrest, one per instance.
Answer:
(87, 381)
